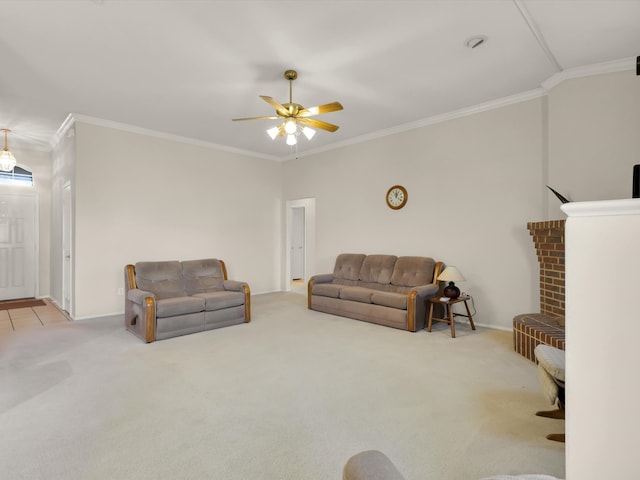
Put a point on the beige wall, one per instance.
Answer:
(139, 198)
(473, 184)
(594, 137)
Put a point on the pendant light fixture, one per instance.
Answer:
(7, 160)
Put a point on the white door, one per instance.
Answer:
(297, 243)
(18, 227)
(66, 248)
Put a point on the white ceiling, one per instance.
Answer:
(186, 68)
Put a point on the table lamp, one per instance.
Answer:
(451, 275)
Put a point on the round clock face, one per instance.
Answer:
(397, 197)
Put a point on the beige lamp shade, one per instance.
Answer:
(451, 274)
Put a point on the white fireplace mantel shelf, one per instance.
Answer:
(626, 206)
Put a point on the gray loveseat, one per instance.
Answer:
(382, 289)
(170, 298)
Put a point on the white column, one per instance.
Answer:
(602, 241)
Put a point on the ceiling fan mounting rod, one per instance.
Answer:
(291, 75)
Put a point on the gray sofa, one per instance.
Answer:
(171, 298)
(382, 289)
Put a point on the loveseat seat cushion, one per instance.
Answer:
(390, 299)
(220, 300)
(357, 294)
(163, 279)
(202, 275)
(377, 269)
(413, 271)
(326, 289)
(347, 266)
(170, 307)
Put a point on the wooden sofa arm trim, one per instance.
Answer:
(309, 288)
(411, 311)
(437, 270)
(224, 270)
(131, 277)
(150, 317)
(247, 303)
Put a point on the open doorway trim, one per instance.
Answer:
(309, 205)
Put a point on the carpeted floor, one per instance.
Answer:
(291, 395)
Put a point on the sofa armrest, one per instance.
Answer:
(416, 305)
(140, 314)
(426, 291)
(236, 286)
(322, 278)
(233, 285)
(138, 296)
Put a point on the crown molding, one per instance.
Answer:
(613, 66)
(578, 72)
(425, 122)
(76, 117)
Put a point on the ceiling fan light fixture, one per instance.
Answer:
(295, 117)
(7, 160)
(290, 126)
(308, 132)
(273, 132)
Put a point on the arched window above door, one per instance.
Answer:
(18, 176)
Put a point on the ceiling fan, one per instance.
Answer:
(296, 118)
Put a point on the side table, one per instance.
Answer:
(448, 304)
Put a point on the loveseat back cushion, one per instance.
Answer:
(202, 276)
(377, 269)
(413, 271)
(348, 266)
(163, 279)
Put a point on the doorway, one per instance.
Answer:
(18, 245)
(300, 243)
(67, 287)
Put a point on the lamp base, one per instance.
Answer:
(451, 291)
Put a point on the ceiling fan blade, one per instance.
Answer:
(255, 118)
(280, 109)
(320, 109)
(312, 122)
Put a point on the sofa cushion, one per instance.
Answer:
(357, 294)
(377, 268)
(164, 279)
(390, 299)
(552, 360)
(170, 307)
(413, 271)
(221, 299)
(326, 289)
(202, 275)
(348, 266)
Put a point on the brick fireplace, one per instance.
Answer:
(548, 239)
(531, 329)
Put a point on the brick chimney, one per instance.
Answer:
(548, 238)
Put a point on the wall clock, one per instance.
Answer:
(397, 197)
